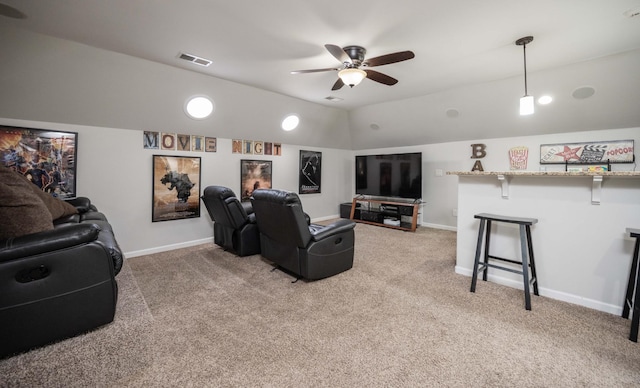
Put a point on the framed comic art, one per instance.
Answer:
(310, 172)
(176, 188)
(254, 174)
(46, 157)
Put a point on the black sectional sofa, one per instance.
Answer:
(58, 262)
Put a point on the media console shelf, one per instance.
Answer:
(395, 215)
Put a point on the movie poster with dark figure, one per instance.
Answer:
(176, 188)
(46, 157)
(310, 172)
(254, 174)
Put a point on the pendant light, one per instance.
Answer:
(526, 102)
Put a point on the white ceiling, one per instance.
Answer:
(459, 44)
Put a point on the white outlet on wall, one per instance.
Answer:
(439, 172)
(454, 212)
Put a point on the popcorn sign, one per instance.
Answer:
(518, 157)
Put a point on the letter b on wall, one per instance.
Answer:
(478, 151)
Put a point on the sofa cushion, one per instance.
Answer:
(22, 211)
(57, 207)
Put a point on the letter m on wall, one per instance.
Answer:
(151, 140)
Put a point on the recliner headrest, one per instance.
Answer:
(219, 192)
(277, 196)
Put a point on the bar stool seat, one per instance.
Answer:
(632, 300)
(526, 246)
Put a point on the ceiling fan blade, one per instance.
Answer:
(339, 84)
(338, 52)
(314, 70)
(389, 58)
(379, 77)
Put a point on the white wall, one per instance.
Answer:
(440, 193)
(582, 251)
(115, 172)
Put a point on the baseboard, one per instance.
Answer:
(332, 217)
(166, 248)
(553, 294)
(438, 226)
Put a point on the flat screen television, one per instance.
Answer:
(390, 175)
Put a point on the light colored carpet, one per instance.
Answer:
(401, 317)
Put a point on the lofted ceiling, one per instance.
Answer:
(466, 61)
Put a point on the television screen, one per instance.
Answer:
(390, 175)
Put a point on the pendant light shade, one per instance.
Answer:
(352, 76)
(526, 102)
(526, 105)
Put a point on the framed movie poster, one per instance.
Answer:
(254, 174)
(310, 172)
(46, 157)
(176, 188)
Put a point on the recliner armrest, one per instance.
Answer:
(83, 204)
(319, 232)
(248, 207)
(61, 237)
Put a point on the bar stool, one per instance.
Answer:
(525, 245)
(634, 283)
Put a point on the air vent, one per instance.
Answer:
(195, 59)
(332, 98)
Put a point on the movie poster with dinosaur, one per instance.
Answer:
(176, 187)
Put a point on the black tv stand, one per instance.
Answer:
(390, 214)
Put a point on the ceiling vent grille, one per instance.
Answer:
(195, 59)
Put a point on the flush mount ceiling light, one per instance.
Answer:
(526, 102)
(290, 122)
(199, 107)
(544, 100)
(352, 76)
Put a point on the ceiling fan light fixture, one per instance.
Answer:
(352, 76)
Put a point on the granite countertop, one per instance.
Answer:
(547, 173)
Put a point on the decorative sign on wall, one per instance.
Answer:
(518, 157)
(196, 143)
(616, 151)
(478, 151)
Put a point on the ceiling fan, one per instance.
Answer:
(352, 58)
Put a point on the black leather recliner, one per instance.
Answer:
(309, 251)
(234, 227)
(58, 283)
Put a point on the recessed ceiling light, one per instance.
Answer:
(290, 122)
(374, 126)
(544, 100)
(199, 107)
